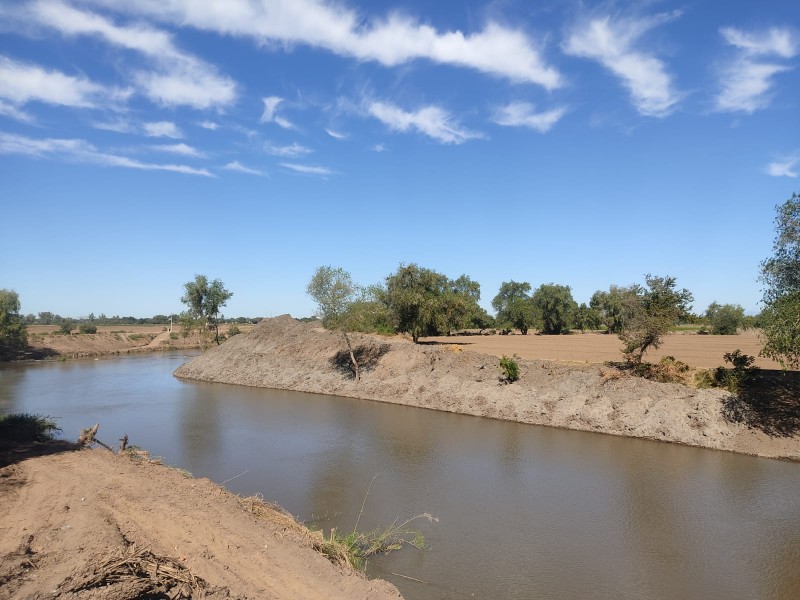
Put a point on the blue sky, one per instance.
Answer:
(579, 143)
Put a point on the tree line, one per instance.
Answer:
(422, 302)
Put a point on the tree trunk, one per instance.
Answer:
(356, 368)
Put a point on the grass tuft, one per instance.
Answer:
(25, 427)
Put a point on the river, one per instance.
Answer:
(524, 511)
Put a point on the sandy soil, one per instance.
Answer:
(109, 339)
(699, 351)
(286, 354)
(68, 513)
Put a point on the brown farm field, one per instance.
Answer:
(698, 351)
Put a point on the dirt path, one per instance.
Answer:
(285, 354)
(67, 512)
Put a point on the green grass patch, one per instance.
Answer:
(25, 427)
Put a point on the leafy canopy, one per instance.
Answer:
(781, 275)
(555, 307)
(203, 301)
(514, 307)
(649, 312)
(13, 333)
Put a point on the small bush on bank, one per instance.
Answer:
(87, 329)
(66, 327)
(25, 427)
(733, 379)
(233, 330)
(509, 369)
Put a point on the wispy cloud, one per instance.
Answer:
(270, 114)
(21, 83)
(432, 121)
(379, 148)
(786, 166)
(175, 78)
(182, 149)
(309, 169)
(9, 110)
(522, 114)
(613, 43)
(240, 168)
(291, 151)
(77, 150)
(746, 81)
(210, 125)
(336, 134)
(394, 40)
(162, 129)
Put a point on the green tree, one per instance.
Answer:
(421, 300)
(555, 307)
(13, 334)
(781, 275)
(514, 307)
(203, 302)
(725, 319)
(586, 318)
(657, 308)
(613, 305)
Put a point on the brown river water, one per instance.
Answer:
(525, 512)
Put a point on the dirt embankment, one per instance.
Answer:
(286, 354)
(88, 524)
(45, 342)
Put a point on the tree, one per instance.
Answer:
(657, 308)
(586, 318)
(781, 276)
(613, 305)
(513, 306)
(334, 292)
(203, 302)
(13, 334)
(725, 319)
(424, 302)
(555, 307)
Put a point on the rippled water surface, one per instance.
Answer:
(524, 512)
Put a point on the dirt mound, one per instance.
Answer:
(283, 353)
(89, 524)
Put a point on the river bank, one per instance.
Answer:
(283, 353)
(91, 524)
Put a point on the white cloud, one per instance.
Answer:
(746, 82)
(162, 129)
(292, 151)
(784, 167)
(779, 42)
(178, 79)
(270, 114)
(21, 83)
(117, 125)
(611, 42)
(521, 114)
(210, 125)
(332, 25)
(13, 112)
(336, 134)
(379, 148)
(77, 150)
(308, 169)
(240, 168)
(432, 121)
(182, 149)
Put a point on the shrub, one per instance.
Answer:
(87, 329)
(233, 330)
(66, 327)
(173, 336)
(734, 379)
(24, 427)
(668, 370)
(510, 370)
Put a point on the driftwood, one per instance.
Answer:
(88, 437)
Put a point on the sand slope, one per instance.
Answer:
(286, 354)
(65, 513)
